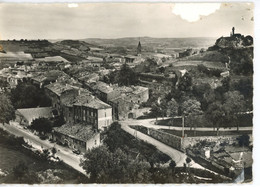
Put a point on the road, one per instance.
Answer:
(177, 156)
(150, 123)
(63, 153)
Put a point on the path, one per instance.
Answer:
(150, 123)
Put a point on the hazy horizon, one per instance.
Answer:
(123, 20)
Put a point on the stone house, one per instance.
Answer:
(88, 109)
(77, 136)
(129, 101)
(60, 93)
(104, 91)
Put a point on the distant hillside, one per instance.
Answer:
(156, 43)
(24, 45)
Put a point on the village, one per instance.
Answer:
(70, 93)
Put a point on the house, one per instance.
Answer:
(39, 80)
(224, 74)
(130, 59)
(103, 91)
(92, 111)
(128, 103)
(76, 136)
(60, 93)
(25, 116)
(89, 110)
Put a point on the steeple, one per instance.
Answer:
(139, 48)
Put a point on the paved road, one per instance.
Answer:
(150, 123)
(63, 153)
(176, 155)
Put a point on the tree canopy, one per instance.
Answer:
(114, 167)
(42, 125)
(26, 95)
(7, 112)
(126, 76)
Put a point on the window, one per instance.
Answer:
(95, 142)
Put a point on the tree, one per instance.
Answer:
(188, 161)
(126, 76)
(199, 90)
(42, 125)
(7, 112)
(53, 151)
(104, 166)
(243, 140)
(20, 170)
(172, 166)
(233, 104)
(26, 95)
(172, 108)
(214, 114)
(191, 108)
(185, 82)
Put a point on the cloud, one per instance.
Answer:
(73, 5)
(191, 12)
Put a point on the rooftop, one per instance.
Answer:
(59, 88)
(33, 113)
(77, 131)
(90, 101)
(52, 59)
(103, 87)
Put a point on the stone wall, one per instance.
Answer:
(191, 141)
(168, 139)
(181, 144)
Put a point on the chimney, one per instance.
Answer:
(79, 92)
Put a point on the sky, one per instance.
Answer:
(117, 20)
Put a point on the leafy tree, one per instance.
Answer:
(155, 110)
(199, 90)
(233, 104)
(3, 83)
(126, 76)
(215, 114)
(172, 108)
(191, 108)
(53, 151)
(42, 125)
(172, 166)
(243, 140)
(107, 167)
(20, 170)
(185, 82)
(26, 95)
(226, 84)
(7, 112)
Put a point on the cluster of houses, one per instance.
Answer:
(87, 110)
(87, 105)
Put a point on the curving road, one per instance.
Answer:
(150, 123)
(176, 155)
(63, 153)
